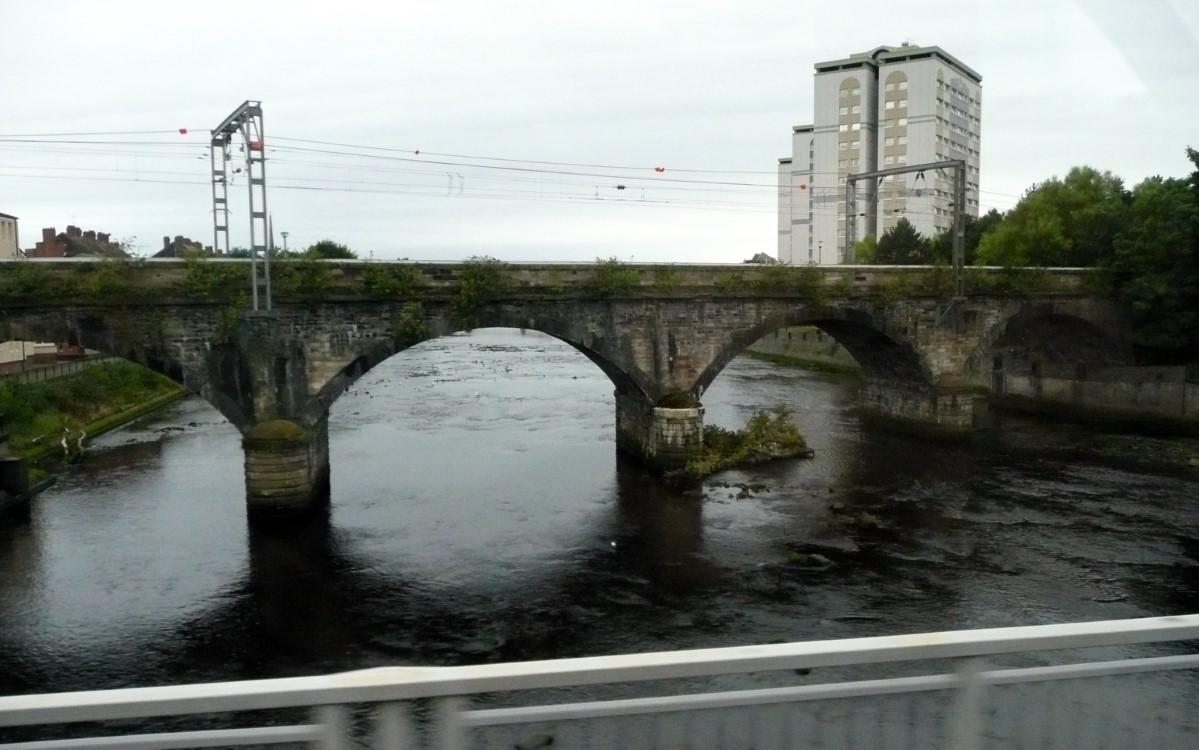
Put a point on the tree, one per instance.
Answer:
(942, 243)
(865, 250)
(1068, 222)
(1155, 263)
(902, 245)
(330, 250)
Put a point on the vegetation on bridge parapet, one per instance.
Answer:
(303, 279)
(481, 280)
(392, 282)
(214, 280)
(667, 278)
(767, 436)
(1009, 281)
(613, 278)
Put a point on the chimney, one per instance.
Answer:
(48, 234)
(166, 242)
(90, 235)
(102, 237)
(73, 231)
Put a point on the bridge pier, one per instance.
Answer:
(659, 437)
(287, 467)
(942, 410)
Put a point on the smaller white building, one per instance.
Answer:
(10, 239)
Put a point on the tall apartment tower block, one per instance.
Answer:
(890, 107)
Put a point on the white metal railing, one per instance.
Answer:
(1143, 698)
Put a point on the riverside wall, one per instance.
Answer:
(803, 345)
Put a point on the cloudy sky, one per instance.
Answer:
(528, 115)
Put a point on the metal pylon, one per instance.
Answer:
(246, 120)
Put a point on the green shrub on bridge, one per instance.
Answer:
(301, 279)
(481, 280)
(208, 280)
(391, 282)
(613, 277)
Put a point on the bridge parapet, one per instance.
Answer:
(173, 281)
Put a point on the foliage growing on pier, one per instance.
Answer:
(766, 436)
(482, 280)
(410, 327)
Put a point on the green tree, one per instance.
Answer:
(942, 242)
(330, 250)
(1067, 222)
(902, 245)
(865, 250)
(1155, 264)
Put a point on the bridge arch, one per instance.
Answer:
(130, 341)
(881, 355)
(605, 354)
(1045, 334)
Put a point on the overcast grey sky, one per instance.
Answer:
(633, 84)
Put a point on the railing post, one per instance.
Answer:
(393, 727)
(447, 724)
(967, 717)
(335, 727)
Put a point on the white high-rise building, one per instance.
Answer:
(890, 107)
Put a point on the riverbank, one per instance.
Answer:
(48, 422)
(803, 346)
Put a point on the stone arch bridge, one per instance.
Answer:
(661, 333)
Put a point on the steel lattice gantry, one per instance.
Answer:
(246, 120)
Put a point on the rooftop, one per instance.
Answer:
(887, 54)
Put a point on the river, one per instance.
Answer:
(479, 513)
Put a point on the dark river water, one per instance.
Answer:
(479, 513)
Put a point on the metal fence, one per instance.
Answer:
(998, 688)
(38, 373)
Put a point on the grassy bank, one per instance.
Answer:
(807, 363)
(96, 400)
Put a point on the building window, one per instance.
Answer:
(855, 91)
(902, 140)
(903, 102)
(889, 142)
(903, 121)
(853, 145)
(889, 160)
(856, 126)
(843, 128)
(843, 111)
(890, 105)
(901, 159)
(903, 85)
(855, 109)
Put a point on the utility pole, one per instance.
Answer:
(959, 213)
